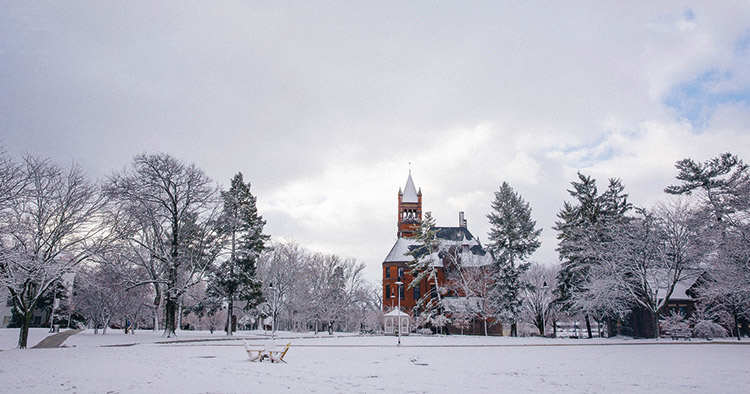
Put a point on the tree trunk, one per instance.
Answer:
(157, 306)
(540, 324)
(656, 325)
(178, 326)
(588, 327)
(171, 313)
(514, 328)
(485, 326)
(610, 327)
(23, 336)
(737, 326)
(230, 312)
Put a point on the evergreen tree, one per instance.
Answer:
(723, 188)
(425, 256)
(582, 233)
(235, 279)
(513, 237)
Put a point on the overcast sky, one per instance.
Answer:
(323, 105)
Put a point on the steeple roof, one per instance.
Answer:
(410, 192)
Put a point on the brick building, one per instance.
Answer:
(457, 246)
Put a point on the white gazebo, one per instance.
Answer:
(392, 319)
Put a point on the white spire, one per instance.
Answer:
(410, 192)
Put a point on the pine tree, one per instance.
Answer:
(423, 266)
(235, 279)
(582, 234)
(723, 186)
(513, 237)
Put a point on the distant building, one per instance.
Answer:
(454, 241)
(42, 312)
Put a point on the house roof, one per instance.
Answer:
(681, 288)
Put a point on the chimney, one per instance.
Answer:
(461, 220)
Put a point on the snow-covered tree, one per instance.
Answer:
(513, 237)
(280, 270)
(50, 221)
(582, 235)
(655, 252)
(171, 209)
(722, 182)
(538, 301)
(235, 278)
(722, 188)
(473, 281)
(423, 265)
(101, 296)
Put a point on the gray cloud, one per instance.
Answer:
(323, 105)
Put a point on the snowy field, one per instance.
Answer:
(204, 363)
(9, 337)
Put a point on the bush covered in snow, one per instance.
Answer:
(674, 322)
(709, 329)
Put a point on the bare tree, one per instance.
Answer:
(12, 180)
(49, 225)
(332, 285)
(279, 268)
(101, 296)
(656, 251)
(171, 207)
(471, 279)
(538, 300)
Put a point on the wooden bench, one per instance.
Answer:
(684, 333)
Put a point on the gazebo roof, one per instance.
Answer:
(395, 313)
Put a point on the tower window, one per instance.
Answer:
(400, 273)
(387, 291)
(416, 292)
(387, 272)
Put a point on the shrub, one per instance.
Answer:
(709, 329)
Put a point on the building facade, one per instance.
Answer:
(457, 247)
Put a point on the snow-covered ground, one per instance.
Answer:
(204, 363)
(9, 337)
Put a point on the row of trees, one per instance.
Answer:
(157, 237)
(616, 259)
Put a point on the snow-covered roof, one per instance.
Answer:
(469, 248)
(461, 304)
(410, 192)
(396, 312)
(681, 288)
(399, 250)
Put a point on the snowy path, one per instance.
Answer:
(54, 341)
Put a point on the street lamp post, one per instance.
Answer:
(543, 305)
(398, 295)
(275, 292)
